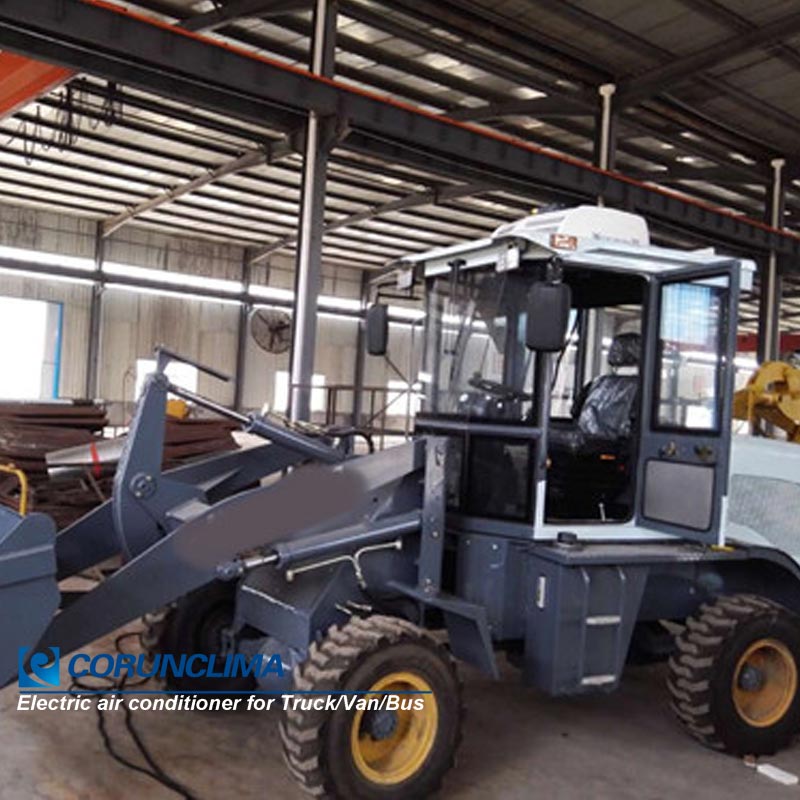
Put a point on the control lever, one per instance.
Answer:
(164, 356)
(284, 437)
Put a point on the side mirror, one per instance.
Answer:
(377, 329)
(548, 316)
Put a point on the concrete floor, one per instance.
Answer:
(517, 744)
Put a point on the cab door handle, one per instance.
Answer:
(704, 452)
(669, 450)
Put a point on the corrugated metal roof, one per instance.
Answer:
(732, 116)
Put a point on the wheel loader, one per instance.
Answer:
(572, 498)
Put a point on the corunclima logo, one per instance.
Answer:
(41, 670)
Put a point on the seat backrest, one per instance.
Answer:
(609, 407)
(624, 350)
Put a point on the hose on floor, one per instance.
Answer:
(151, 768)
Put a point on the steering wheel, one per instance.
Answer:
(497, 389)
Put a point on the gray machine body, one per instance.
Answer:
(308, 534)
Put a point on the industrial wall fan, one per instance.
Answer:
(271, 329)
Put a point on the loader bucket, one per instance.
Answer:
(29, 594)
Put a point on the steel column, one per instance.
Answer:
(241, 334)
(308, 270)
(605, 133)
(128, 48)
(95, 316)
(361, 354)
(770, 297)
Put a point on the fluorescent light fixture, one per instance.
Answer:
(287, 295)
(172, 278)
(124, 287)
(45, 276)
(411, 314)
(340, 303)
(172, 281)
(272, 293)
(49, 259)
(338, 317)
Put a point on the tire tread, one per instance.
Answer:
(326, 668)
(698, 648)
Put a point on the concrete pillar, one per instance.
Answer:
(308, 271)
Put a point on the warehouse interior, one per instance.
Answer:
(178, 172)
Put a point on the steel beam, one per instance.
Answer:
(545, 107)
(432, 197)
(646, 48)
(123, 47)
(662, 77)
(247, 160)
(480, 25)
(505, 39)
(714, 10)
(769, 307)
(308, 269)
(23, 79)
(686, 172)
(239, 9)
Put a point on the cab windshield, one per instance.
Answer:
(476, 362)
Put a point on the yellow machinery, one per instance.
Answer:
(177, 409)
(10, 469)
(771, 397)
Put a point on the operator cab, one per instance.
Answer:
(621, 420)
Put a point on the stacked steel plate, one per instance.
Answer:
(28, 431)
(70, 467)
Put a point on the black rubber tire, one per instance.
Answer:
(190, 626)
(316, 744)
(701, 673)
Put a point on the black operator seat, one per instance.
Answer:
(604, 411)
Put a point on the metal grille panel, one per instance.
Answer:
(768, 506)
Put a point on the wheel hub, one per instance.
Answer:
(380, 725)
(751, 679)
(390, 747)
(765, 683)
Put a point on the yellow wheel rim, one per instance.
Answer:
(764, 683)
(400, 753)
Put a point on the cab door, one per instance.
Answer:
(686, 401)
